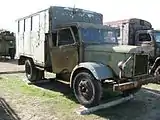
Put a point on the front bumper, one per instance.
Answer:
(134, 84)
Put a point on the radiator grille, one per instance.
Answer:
(141, 65)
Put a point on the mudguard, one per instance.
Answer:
(99, 71)
(155, 65)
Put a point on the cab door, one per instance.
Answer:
(65, 53)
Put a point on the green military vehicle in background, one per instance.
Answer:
(75, 45)
(7, 44)
(139, 32)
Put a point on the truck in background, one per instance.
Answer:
(74, 44)
(139, 32)
(7, 44)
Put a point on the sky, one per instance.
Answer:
(11, 10)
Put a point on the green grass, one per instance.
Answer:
(13, 84)
(62, 106)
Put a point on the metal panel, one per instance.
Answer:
(40, 27)
(38, 44)
(100, 71)
(63, 15)
(141, 65)
(30, 41)
(35, 35)
(64, 58)
(27, 45)
(21, 37)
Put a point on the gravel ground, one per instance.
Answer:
(10, 66)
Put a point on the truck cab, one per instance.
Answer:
(88, 56)
(69, 42)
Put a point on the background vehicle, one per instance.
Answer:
(74, 44)
(139, 32)
(7, 44)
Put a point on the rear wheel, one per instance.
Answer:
(87, 89)
(32, 73)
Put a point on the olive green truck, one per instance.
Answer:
(74, 44)
(7, 44)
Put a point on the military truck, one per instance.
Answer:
(139, 32)
(74, 44)
(7, 43)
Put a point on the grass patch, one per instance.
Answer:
(18, 86)
(57, 103)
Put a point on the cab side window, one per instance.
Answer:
(65, 37)
(144, 37)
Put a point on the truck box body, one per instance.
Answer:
(126, 29)
(33, 28)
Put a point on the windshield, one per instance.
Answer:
(157, 36)
(94, 35)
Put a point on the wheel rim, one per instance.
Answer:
(157, 71)
(28, 70)
(85, 89)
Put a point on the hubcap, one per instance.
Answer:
(157, 72)
(85, 89)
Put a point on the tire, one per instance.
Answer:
(87, 89)
(157, 73)
(32, 73)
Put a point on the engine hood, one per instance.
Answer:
(116, 48)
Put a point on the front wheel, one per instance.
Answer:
(157, 73)
(87, 89)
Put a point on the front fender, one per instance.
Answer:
(99, 71)
(155, 65)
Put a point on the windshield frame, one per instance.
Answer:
(101, 27)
